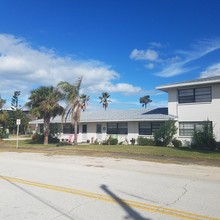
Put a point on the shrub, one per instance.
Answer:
(2, 134)
(112, 141)
(164, 135)
(177, 143)
(39, 138)
(96, 142)
(204, 139)
(132, 141)
(143, 141)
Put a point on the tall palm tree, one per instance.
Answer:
(104, 99)
(75, 103)
(44, 103)
(145, 100)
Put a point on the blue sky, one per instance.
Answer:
(124, 47)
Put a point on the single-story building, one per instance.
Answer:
(99, 125)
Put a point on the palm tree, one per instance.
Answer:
(75, 103)
(104, 99)
(145, 100)
(44, 104)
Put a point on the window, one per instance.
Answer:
(188, 128)
(147, 128)
(122, 128)
(117, 128)
(84, 128)
(201, 94)
(68, 128)
(98, 128)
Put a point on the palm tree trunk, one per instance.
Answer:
(46, 130)
(75, 133)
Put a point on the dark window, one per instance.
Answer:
(117, 128)
(202, 94)
(188, 128)
(98, 128)
(122, 128)
(147, 128)
(69, 129)
(84, 128)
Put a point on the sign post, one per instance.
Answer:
(18, 122)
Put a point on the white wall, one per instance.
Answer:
(133, 129)
(187, 112)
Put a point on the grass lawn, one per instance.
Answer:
(148, 153)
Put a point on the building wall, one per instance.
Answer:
(192, 112)
(91, 136)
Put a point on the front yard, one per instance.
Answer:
(147, 153)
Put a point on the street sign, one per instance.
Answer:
(18, 121)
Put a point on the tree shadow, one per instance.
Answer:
(39, 199)
(132, 214)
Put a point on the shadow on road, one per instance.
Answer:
(39, 199)
(132, 214)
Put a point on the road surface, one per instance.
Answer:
(36, 186)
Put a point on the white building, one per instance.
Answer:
(190, 104)
(194, 102)
(122, 124)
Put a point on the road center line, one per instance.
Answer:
(102, 197)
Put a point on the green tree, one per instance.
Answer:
(203, 138)
(145, 100)
(104, 99)
(44, 103)
(3, 117)
(14, 100)
(165, 134)
(13, 116)
(75, 103)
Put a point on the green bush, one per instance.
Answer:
(164, 135)
(204, 139)
(39, 138)
(177, 143)
(2, 133)
(143, 141)
(132, 141)
(112, 141)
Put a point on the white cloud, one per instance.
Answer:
(149, 66)
(155, 44)
(185, 58)
(23, 68)
(213, 70)
(149, 55)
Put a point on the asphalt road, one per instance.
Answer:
(34, 186)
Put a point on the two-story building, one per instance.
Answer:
(194, 102)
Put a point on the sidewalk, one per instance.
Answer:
(15, 138)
